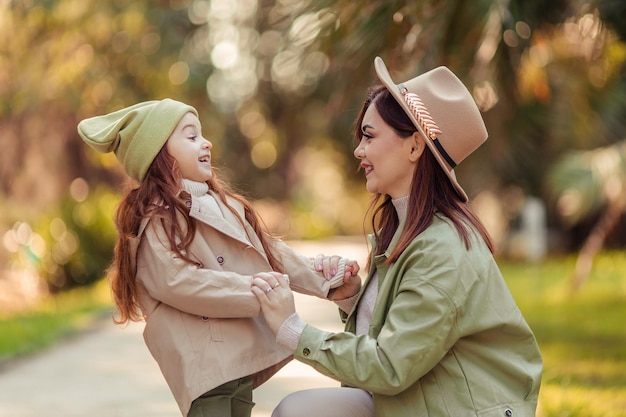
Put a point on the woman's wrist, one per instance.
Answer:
(347, 304)
(289, 332)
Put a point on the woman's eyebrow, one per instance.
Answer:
(365, 127)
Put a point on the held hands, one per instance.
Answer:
(276, 299)
(351, 280)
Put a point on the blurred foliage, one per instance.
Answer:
(278, 84)
(80, 239)
(588, 181)
(70, 244)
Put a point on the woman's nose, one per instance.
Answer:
(359, 152)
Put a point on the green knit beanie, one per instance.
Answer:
(135, 134)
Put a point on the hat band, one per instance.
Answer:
(443, 153)
(425, 120)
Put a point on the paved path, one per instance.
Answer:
(108, 371)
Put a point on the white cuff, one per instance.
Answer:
(347, 304)
(337, 279)
(289, 332)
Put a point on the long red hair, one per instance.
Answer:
(431, 190)
(159, 198)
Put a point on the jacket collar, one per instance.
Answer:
(381, 259)
(377, 264)
(224, 222)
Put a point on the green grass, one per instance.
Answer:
(56, 318)
(582, 336)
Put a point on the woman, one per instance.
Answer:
(434, 331)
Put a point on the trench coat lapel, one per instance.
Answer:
(226, 222)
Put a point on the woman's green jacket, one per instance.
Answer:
(446, 337)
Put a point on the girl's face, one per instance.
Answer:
(190, 149)
(387, 159)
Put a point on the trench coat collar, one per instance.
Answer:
(225, 221)
(221, 222)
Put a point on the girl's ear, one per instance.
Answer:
(417, 147)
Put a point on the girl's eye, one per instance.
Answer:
(366, 136)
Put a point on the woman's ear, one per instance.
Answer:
(417, 147)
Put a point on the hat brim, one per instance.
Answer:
(385, 78)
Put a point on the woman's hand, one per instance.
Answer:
(351, 280)
(351, 286)
(276, 299)
(329, 266)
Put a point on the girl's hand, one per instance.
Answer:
(276, 299)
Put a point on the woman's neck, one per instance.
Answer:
(401, 205)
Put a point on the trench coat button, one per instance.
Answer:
(204, 318)
(508, 412)
(220, 260)
(306, 351)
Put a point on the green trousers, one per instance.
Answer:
(232, 399)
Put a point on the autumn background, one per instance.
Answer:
(278, 84)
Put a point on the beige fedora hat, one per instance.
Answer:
(443, 111)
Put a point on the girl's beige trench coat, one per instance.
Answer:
(204, 325)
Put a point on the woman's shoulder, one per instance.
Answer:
(442, 238)
(440, 230)
(440, 256)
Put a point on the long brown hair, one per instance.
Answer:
(431, 190)
(159, 198)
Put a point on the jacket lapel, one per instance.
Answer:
(224, 222)
(377, 265)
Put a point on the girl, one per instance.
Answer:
(187, 250)
(434, 331)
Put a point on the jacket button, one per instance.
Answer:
(508, 412)
(220, 260)
(306, 351)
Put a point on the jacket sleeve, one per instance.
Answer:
(302, 275)
(189, 288)
(413, 336)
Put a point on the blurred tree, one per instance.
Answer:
(590, 185)
(69, 59)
